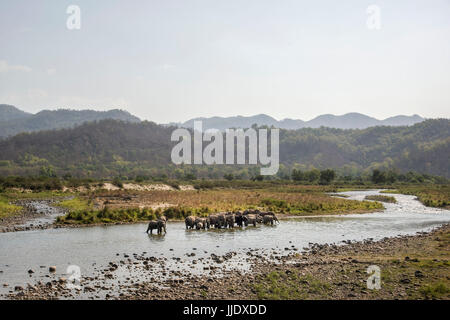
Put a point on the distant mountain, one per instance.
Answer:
(222, 123)
(14, 121)
(347, 121)
(8, 112)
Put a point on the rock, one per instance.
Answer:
(418, 274)
(405, 280)
(52, 269)
(18, 288)
(30, 271)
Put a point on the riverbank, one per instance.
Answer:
(412, 267)
(437, 196)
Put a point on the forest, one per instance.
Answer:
(111, 148)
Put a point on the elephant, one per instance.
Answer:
(270, 219)
(230, 219)
(217, 220)
(239, 218)
(158, 225)
(214, 220)
(201, 223)
(190, 222)
(263, 214)
(250, 219)
(208, 222)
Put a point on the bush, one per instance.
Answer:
(117, 182)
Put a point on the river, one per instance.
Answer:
(92, 248)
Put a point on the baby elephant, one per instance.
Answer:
(201, 223)
(158, 225)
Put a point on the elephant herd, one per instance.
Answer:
(218, 220)
(231, 219)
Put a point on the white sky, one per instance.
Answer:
(173, 60)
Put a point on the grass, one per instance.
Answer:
(292, 199)
(134, 206)
(435, 291)
(7, 209)
(76, 204)
(15, 195)
(106, 216)
(430, 195)
(381, 198)
(290, 286)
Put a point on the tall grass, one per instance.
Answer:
(107, 215)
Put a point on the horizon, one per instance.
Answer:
(159, 62)
(231, 116)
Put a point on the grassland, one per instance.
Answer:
(128, 206)
(381, 198)
(296, 200)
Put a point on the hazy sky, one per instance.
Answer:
(173, 60)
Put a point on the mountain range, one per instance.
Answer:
(347, 121)
(14, 120)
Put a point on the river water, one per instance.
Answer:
(93, 247)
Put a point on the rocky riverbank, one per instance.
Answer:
(412, 267)
(35, 215)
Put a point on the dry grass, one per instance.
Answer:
(290, 200)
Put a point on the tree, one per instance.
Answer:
(228, 176)
(258, 178)
(326, 176)
(117, 182)
(378, 176)
(189, 176)
(297, 175)
(313, 175)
